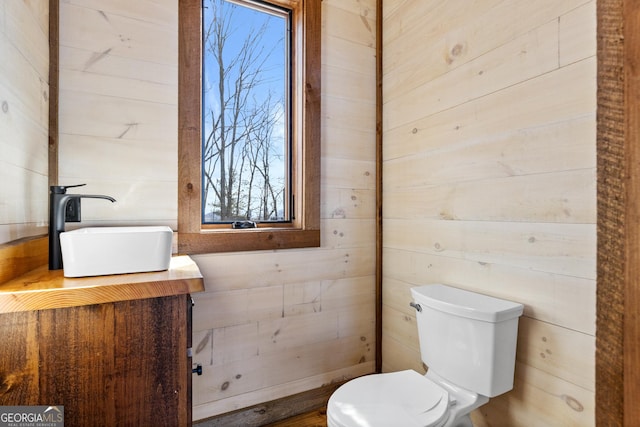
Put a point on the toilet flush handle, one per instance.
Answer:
(416, 306)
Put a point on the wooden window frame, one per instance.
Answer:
(304, 230)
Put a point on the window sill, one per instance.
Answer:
(255, 239)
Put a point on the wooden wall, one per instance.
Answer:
(278, 323)
(271, 323)
(24, 115)
(489, 184)
(118, 108)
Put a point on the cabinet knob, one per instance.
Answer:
(197, 369)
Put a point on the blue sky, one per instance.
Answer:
(244, 21)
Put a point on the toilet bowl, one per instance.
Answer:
(403, 398)
(467, 340)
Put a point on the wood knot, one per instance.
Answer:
(573, 403)
(457, 50)
(9, 381)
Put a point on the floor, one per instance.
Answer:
(316, 418)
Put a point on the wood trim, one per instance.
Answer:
(190, 365)
(252, 239)
(191, 237)
(312, 119)
(379, 183)
(618, 258)
(54, 47)
(631, 349)
(276, 410)
(189, 115)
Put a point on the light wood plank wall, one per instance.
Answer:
(118, 108)
(283, 322)
(271, 323)
(24, 118)
(489, 181)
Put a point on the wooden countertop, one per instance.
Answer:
(42, 289)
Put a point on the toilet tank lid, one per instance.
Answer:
(463, 303)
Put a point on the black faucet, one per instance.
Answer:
(58, 199)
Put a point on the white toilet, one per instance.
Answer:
(467, 340)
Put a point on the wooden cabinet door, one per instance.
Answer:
(117, 364)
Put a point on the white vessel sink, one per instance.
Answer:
(98, 251)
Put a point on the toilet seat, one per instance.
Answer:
(403, 398)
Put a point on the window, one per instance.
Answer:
(286, 203)
(246, 141)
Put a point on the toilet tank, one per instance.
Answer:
(468, 338)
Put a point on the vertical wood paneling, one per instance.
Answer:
(19, 367)
(89, 354)
(121, 363)
(489, 184)
(153, 355)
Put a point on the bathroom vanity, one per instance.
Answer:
(113, 350)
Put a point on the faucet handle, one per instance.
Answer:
(62, 189)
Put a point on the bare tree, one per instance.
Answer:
(240, 119)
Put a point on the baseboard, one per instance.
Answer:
(275, 410)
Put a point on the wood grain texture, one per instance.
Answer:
(317, 418)
(631, 13)
(254, 239)
(117, 108)
(610, 371)
(281, 412)
(19, 375)
(76, 361)
(311, 119)
(44, 289)
(156, 356)
(24, 76)
(189, 116)
(21, 256)
(54, 62)
(306, 156)
(125, 86)
(117, 364)
(489, 163)
(379, 184)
